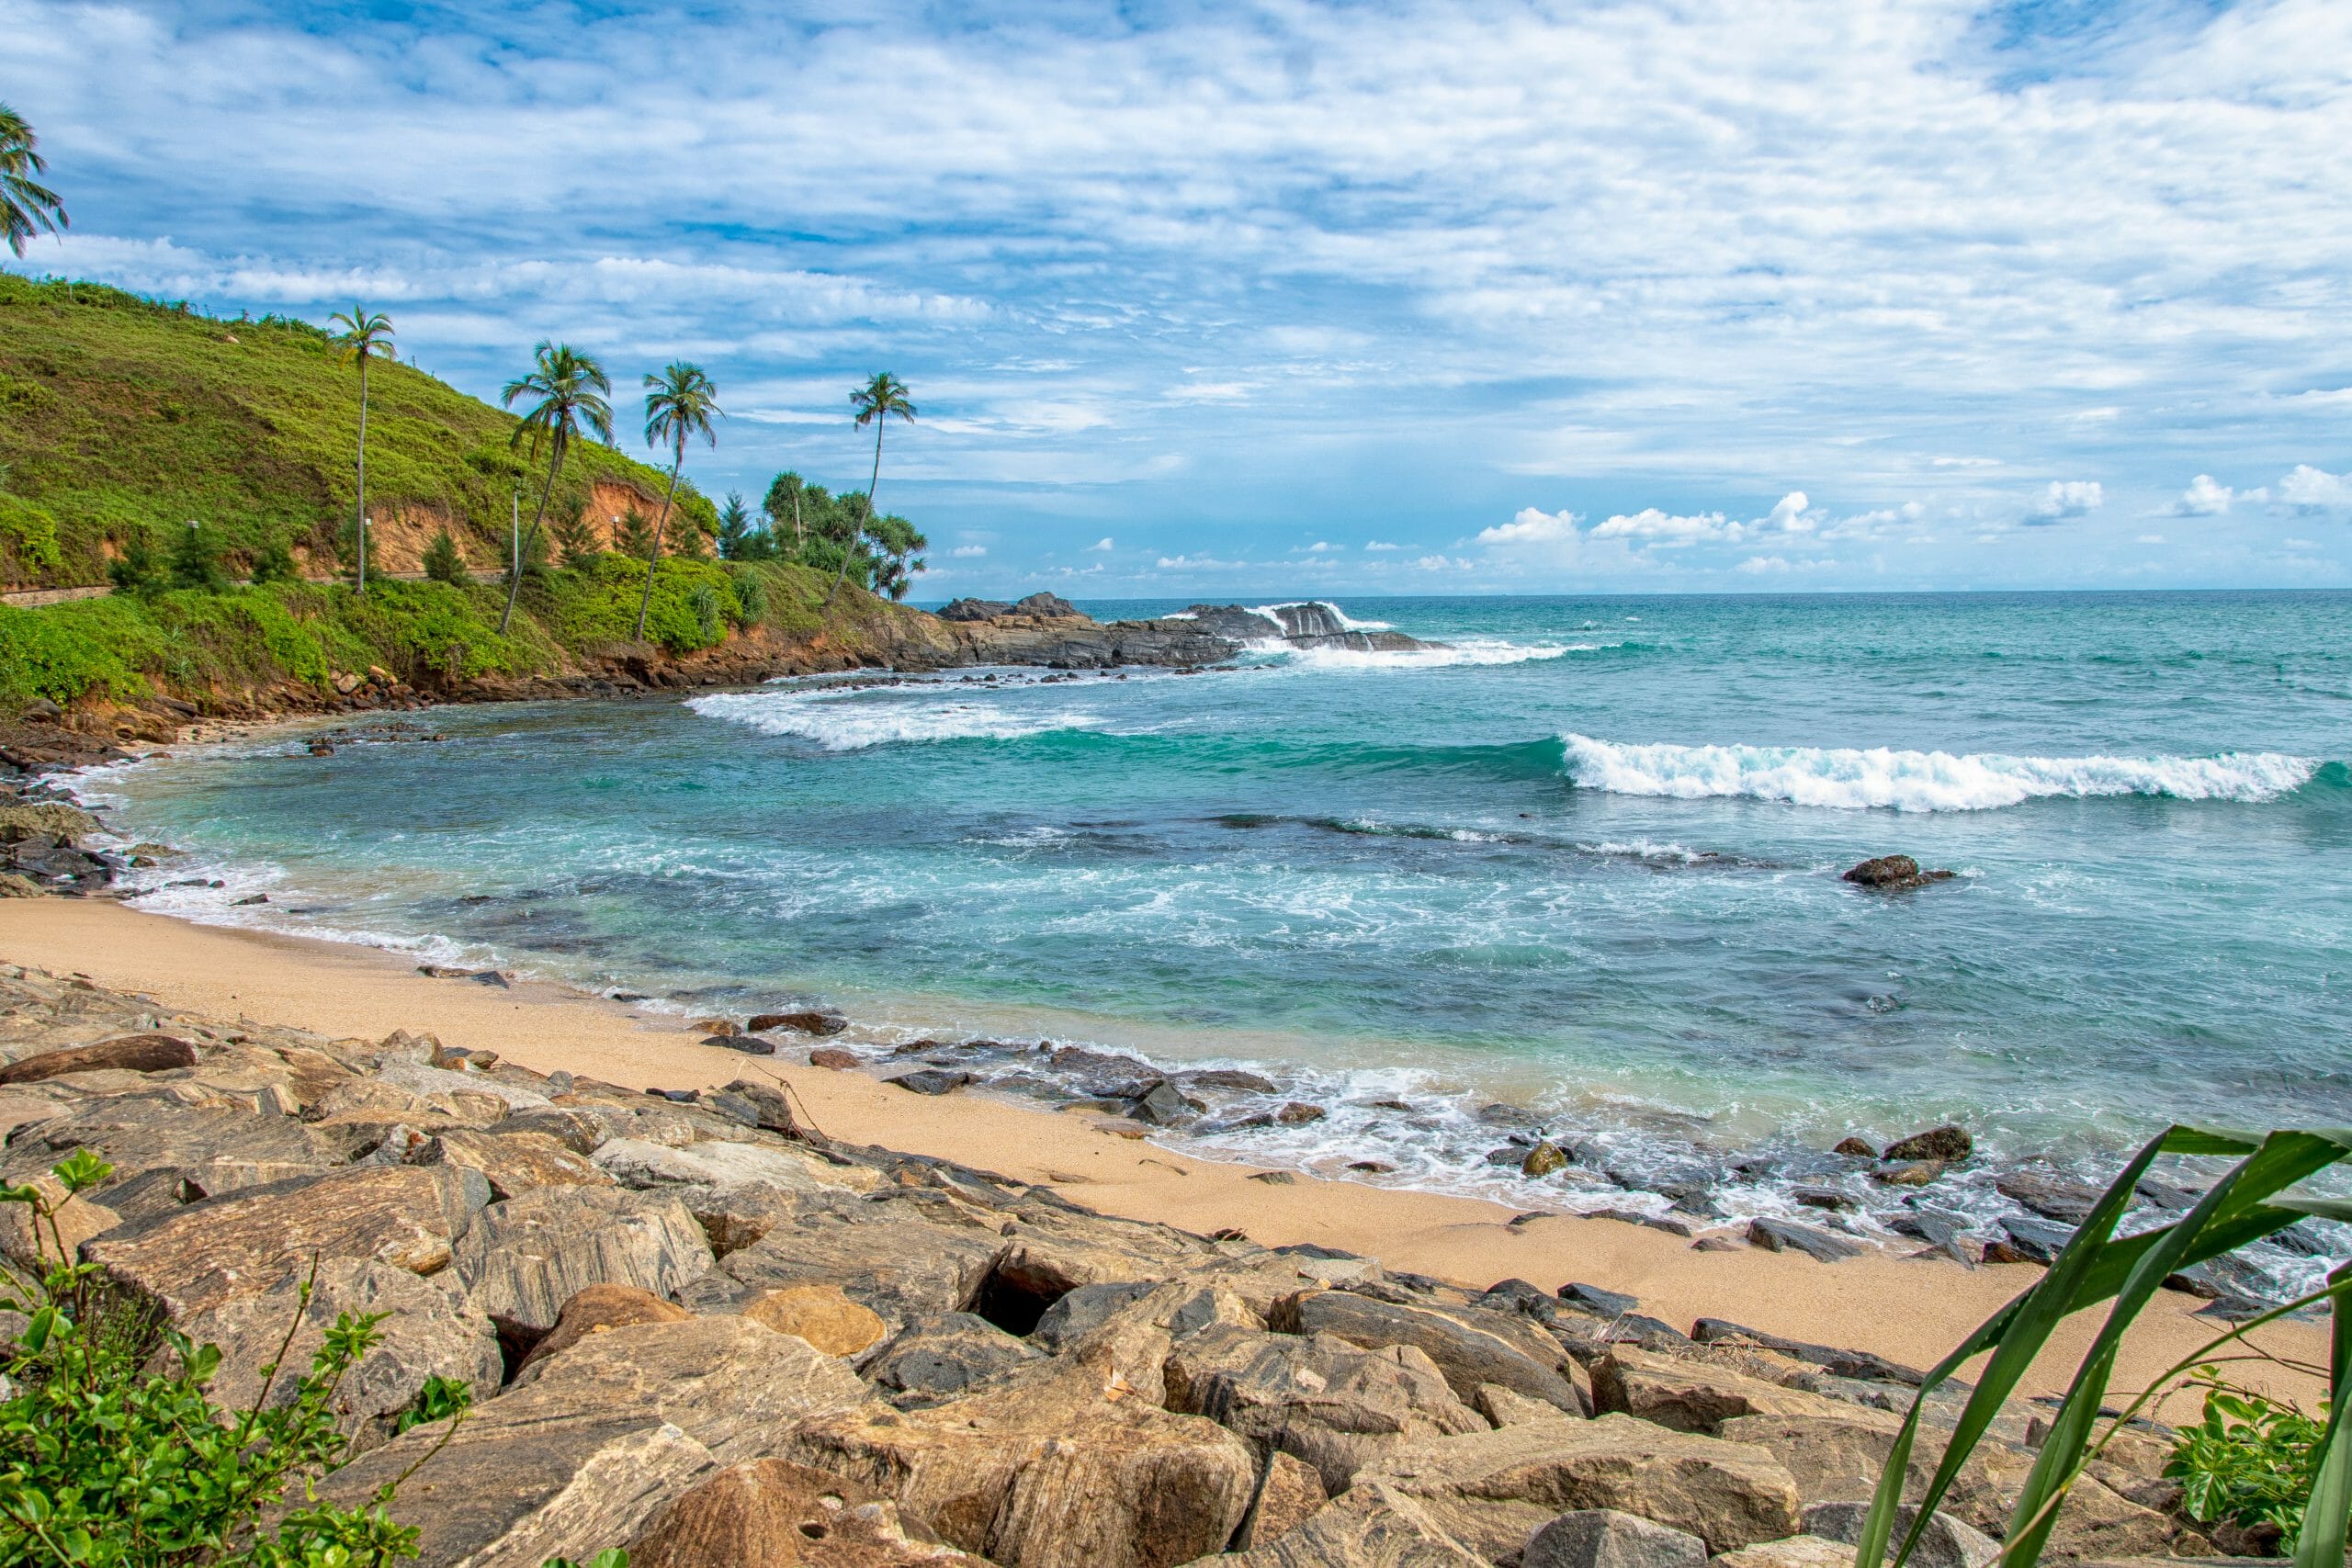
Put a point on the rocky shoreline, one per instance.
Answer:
(696, 1329)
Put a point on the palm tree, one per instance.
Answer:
(567, 384)
(366, 335)
(27, 207)
(876, 401)
(679, 404)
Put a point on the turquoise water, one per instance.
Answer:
(1585, 863)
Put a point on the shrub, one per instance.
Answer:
(633, 535)
(702, 603)
(751, 598)
(441, 561)
(2251, 1461)
(576, 537)
(274, 563)
(107, 1463)
(136, 570)
(196, 560)
(30, 534)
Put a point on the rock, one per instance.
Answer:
(1796, 1551)
(14, 887)
(512, 1162)
(933, 1360)
(1892, 874)
(1371, 1526)
(1163, 1105)
(806, 1020)
(932, 1080)
(1470, 1346)
(166, 1151)
(1841, 1461)
(588, 1446)
(1779, 1235)
(598, 1309)
(1604, 1304)
(721, 1167)
(1288, 1495)
(769, 1514)
(1079, 1312)
(1274, 1178)
(1318, 1398)
(718, 1028)
(1946, 1142)
(1493, 1489)
(1839, 1364)
(1909, 1173)
(1232, 1079)
(1944, 1543)
(1543, 1160)
(1602, 1538)
(2051, 1196)
(1691, 1396)
(34, 1245)
(195, 1257)
(1051, 1250)
(525, 1258)
(1070, 1470)
(127, 1053)
(2028, 1241)
(975, 610)
(900, 1257)
(820, 1315)
(1854, 1147)
(427, 1332)
(1048, 607)
(833, 1057)
(1299, 1114)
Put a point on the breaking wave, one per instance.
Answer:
(1847, 779)
(852, 721)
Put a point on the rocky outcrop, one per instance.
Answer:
(1469, 1345)
(769, 1514)
(1892, 874)
(1309, 624)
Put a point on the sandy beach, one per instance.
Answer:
(1909, 1309)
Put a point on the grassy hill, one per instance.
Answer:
(120, 415)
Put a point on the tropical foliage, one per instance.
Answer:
(882, 396)
(680, 404)
(567, 390)
(27, 207)
(2251, 1461)
(808, 524)
(366, 335)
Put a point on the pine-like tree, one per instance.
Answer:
(441, 561)
(196, 560)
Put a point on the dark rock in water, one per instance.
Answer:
(2218, 1278)
(1665, 1223)
(1372, 1167)
(1311, 624)
(2051, 1197)
(2168, 1195)
(249, 898)
(1609, 1303)
(322, 748)
(1783, 1235)
(806, 1020)
(2300, 1239)
(1909, 1172)
(1046, 605)
(1938, 1143)
(2028, 1241)
(975, 610)
(1229, 1077)
(1083, 1311)
(1544, 1160)
(1856, 1147)
(1509, 1154)
(749, 1044)
(1297, 1113)
(1839, 1364)
(497, 977)
(833, 1057)
(1163, 1106)
(932, 1080)
(1892, 874)
(1828, 1198)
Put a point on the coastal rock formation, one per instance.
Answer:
(711, 1340)
(1892, 874)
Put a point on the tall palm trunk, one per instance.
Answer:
(646, 601)
(871, 485)
(363, 473)
(515, 578)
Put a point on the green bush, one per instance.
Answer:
(107, 1463)
(2251, 1461)
(274, 563)
(28, 540)
(136, 571)
(441, 561)
(196, 560)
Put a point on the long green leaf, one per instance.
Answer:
(2329, 1513)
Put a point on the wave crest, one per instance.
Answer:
(854, 721)
(1848, 779)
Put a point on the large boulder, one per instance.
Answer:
(1945, 1542)
(820, 1315)
(1067, 1470)
(600, 1309)
(769, 1514)
(1492, 1490)
(127, 1052)
(903, 1254)
(525, 1258)
(1693, 1396)
(512, 1162)
(1602, 1538)
(195, 1257)
(1470, 1346)
(1290, 1490)
(427, 1333)
(166, 1151)
(587, 1446)
(1317, 1397)
(933, 1360)
(722, 1166)
(1372, 1525)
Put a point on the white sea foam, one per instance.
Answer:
(1472, 651)
(851, 721)
(1919, 781)
(1347, 622)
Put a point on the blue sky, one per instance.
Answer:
(1303, 297)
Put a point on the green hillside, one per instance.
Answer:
(120, 415)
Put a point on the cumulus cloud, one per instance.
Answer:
(1101, 546)
(2203, 498)
(2315, 490)
(2068, 499)
(1380, 546)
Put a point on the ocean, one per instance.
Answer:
(1575, 875)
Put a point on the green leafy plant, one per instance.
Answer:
(136, 570)
(2251, 1461)
(196, 560)
(2253, 1198)
(274, 563)
(438, 1400)
(702, 602)
(108, 1464)
(441, 561)
(612, 1557)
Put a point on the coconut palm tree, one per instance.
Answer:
(567, 385)
(366, 335)
(876, 401)
(27, 207)
(679, 404)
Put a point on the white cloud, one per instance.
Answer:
(1529, 526)
(961, 552)
(1199, 563)
(2315, 490)
(1100, 547)
(1439, 563)
(2068, 498)
(2203, 498)
(1323, 547)
(1379, 547)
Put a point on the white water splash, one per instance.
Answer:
(851, 721)
(1919, 781)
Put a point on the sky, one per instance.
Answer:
(1298, 297)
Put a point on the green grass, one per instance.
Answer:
(234, 647)
(120, 413)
